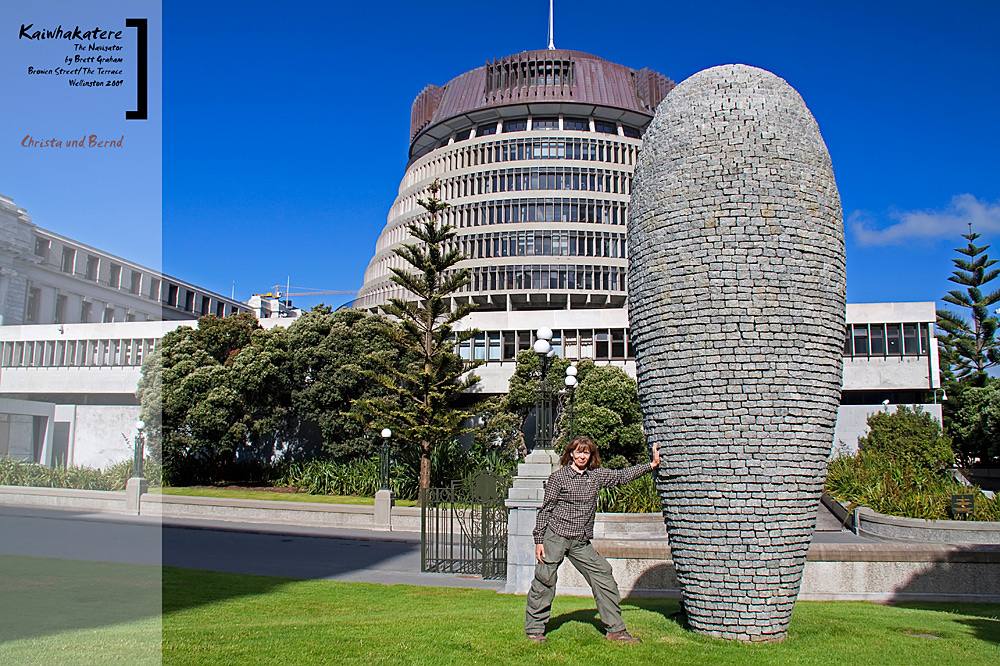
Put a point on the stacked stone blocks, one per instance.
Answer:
(737, 303)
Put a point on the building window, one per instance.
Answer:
(617, 343)
(911, 340)
(515, 126)
(544, 123)
(860, 340)
(877, 339)
(172, 292)
(486, 130)
(42, 247)
(576, 124)
(109, 315)
(189, 301)
(204, 305)
(630, 132)
(68, 259)
(220, 309)
(86, 309)
(60, 309)
(463, 135)
(31, 311)
(601, 347)
(93, 266)
(136, 286)
(892, 339)
(116, 276)
(605, 127)
(154, 289)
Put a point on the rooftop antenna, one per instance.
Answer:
(552, 46)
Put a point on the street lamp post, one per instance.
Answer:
(384, 500)
(542, 347)
(137, 486)
(384, 460)
(137, 453)
(571, 384)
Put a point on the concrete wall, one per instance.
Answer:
(852, 424)
(97, 434)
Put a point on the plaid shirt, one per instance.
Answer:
(570, 501)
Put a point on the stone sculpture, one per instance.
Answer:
(737, 304)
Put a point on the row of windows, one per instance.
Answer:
(61, 315)
(507, 150)
(909, 339)
(510, 278)
(542, 243)
(510, 73)
(73, 353)
(515, 211)
(72, 263)
(518, 180)
(588, 150)
(572, 344)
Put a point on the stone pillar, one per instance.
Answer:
(384, 502)
(135, 488)
(737, 308)
(523, 501)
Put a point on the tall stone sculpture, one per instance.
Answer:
(737, 303)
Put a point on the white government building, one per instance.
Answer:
(535, 154)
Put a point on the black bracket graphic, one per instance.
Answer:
(142, 65)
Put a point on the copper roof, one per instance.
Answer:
(540, 76)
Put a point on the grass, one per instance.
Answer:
(64, 612)
(212, 618)
(70, 612)
(232, 493)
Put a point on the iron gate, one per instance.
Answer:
(463, 528)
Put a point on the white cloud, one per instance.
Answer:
(950, 222)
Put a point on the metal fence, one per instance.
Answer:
(463, 528)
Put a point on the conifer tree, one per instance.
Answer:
(426, 411)
(970, 345)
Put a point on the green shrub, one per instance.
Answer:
(872, 479)
(639, 496)
(910, 437)
(21, 473)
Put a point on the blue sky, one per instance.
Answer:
(285, 125)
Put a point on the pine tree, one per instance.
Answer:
(971, 347)
(427, 392)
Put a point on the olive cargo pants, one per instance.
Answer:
(594, 569)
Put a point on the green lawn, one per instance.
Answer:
(231, 493)
(70, 612)
(62, 612)
(228, 619)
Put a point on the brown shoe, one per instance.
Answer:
(538, 638)
(622, 637)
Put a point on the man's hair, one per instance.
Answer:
(582, 442)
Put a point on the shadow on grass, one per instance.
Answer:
(985, 621)
(62, 570)
(964, 570)
(43, 596)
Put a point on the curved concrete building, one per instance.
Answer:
(535, 154)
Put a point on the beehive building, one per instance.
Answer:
(535, 154)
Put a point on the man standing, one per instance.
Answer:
(564, 528)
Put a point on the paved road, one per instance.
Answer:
(352, 555)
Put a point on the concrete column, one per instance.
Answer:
(384, 502)
(523, 501)
(134, 490)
